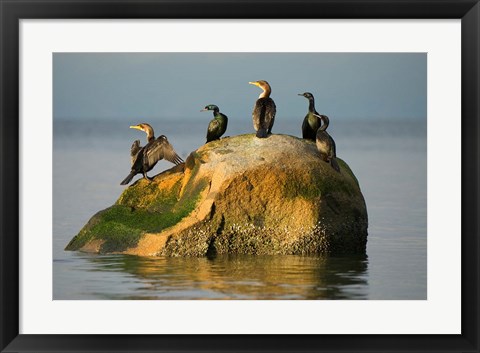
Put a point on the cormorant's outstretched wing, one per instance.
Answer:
(160, 149)
(134, 150)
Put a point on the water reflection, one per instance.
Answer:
(233, 277)
(396, 195)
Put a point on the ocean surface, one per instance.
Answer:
(389, 158)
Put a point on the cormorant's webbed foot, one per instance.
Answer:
(147, 177)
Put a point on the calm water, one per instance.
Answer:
(389, 159)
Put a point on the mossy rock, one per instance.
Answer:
(240, 195)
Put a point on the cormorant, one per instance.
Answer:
(325, 144)
(263, 114)
(218, 125)
(311, 123)
(144, 158)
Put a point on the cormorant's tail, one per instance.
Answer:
(128, 178)
(334, 164)
(262, 133)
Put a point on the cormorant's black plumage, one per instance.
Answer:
(311, 122)
(146, 157)
(326, 145)
(218, 125)
(264, 111)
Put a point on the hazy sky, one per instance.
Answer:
(146, 86)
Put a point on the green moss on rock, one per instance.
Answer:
(142, 208)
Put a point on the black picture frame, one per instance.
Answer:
(11, 11)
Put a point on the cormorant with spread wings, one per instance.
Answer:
(146, 157)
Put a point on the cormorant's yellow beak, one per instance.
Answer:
(136, 127)
(254, 83)
(300, 94)
(204, 110)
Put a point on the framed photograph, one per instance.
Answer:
(233, 176)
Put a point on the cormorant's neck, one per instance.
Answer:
(266, 92)
(150, 134)
(216, 112)
(311, 105)
(325, 121)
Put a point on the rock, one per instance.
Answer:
(241, 195)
